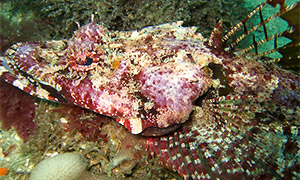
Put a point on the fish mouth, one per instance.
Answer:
(156, 131)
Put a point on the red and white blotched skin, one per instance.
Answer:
(145, 78)
(245, 125)
(251, 133)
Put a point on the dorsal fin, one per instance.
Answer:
(289, 51)
(215, 40)
(237, 27)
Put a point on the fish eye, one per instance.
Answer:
(89, 61)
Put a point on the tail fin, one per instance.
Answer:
(267, 36)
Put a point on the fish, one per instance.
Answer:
(207, 109)
(116, 74)
(246, 131)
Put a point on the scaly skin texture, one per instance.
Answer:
(251, 133)
(139, 78)
(245, 123)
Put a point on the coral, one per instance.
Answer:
(129, 15)
(20, 22)
(53, 133)
(88, 123)
(17, 109)
(67, 166)
(109, 148)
